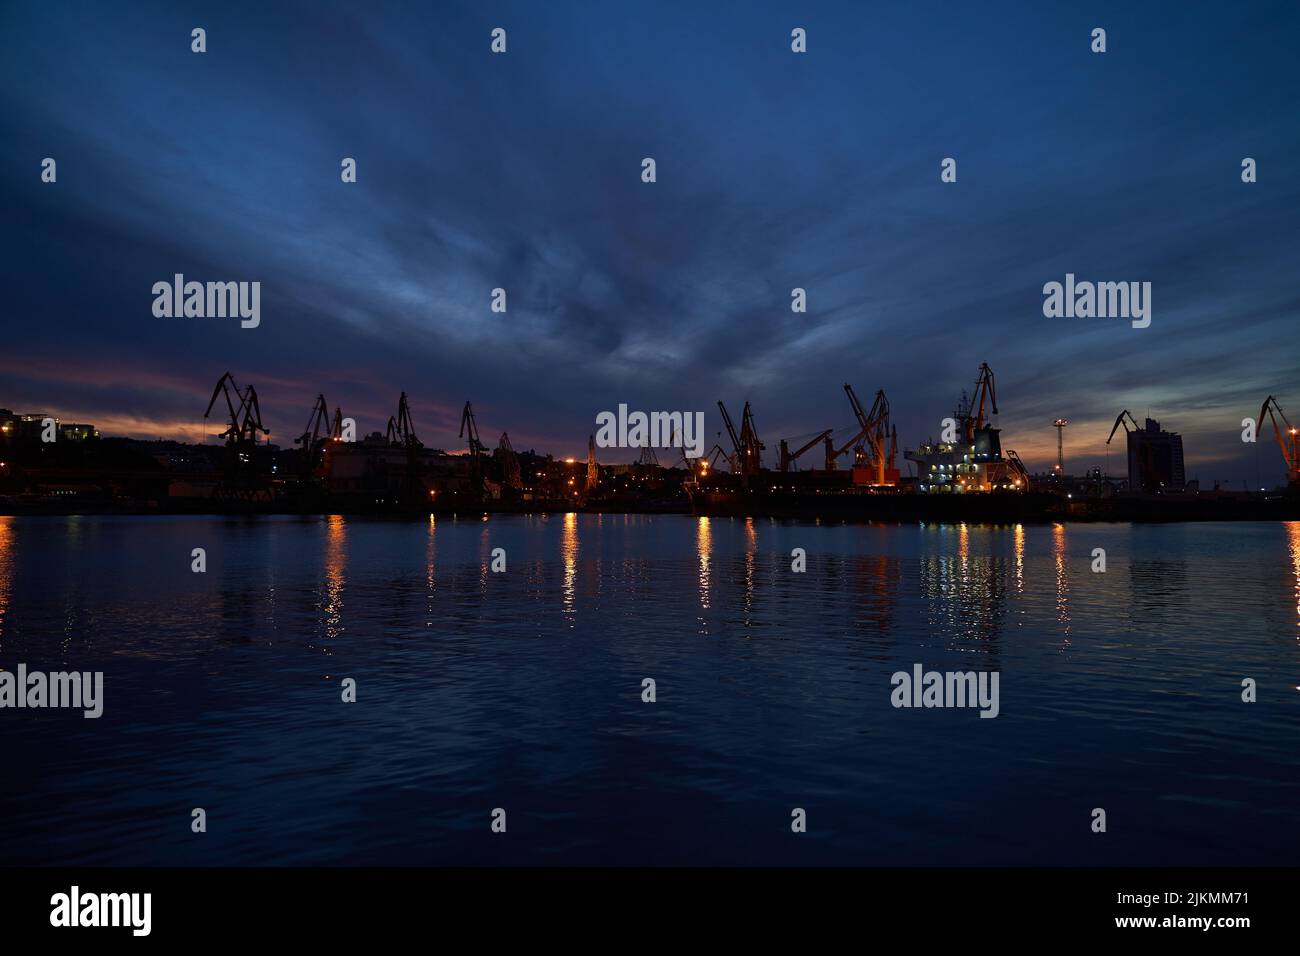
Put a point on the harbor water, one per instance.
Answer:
(523, 689)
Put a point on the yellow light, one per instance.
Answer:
(569, 461)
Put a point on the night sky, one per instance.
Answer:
(775, 170)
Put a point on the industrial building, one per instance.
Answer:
(28, 427)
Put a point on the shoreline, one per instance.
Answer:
(892, 509)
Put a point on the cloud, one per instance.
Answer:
(522, 172)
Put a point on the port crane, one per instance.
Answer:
(707, 462)
(1119, 420)
(875, 444)
(511, 476)
(245, 413)
(747, 458)
(734, 459)
(318, 423)
(401, 428)
(1287, 438)
(681, 459)
(318, 434)
(881, 438)
(788, 457)
(833, 454)
(469, 430)
(753, 447)
(984, 391)
(401, 434)
(241, 480)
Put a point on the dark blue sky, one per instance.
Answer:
(775, 170)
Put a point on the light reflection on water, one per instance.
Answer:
(704, 545)
(431, 570)
(751, 557)
(522, 689)
(6, 568)
(569, 553)
(335, 563)
(1293, 533)
(1061, 558)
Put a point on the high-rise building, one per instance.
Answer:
(1155, 460)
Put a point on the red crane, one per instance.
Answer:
(1287, 438)
(876, 443)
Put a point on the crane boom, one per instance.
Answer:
(876, 442)
(787, 456)
(511, 474)
(857, 407)
(315, 436)
(1119, 420)
(1283, 433)
(319, 420)
(221, 382)
(245, 414)
(731, 429)
(752, 460)
(242, 479)
(469, 429)
(984, 391)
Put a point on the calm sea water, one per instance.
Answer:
(522, 690)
